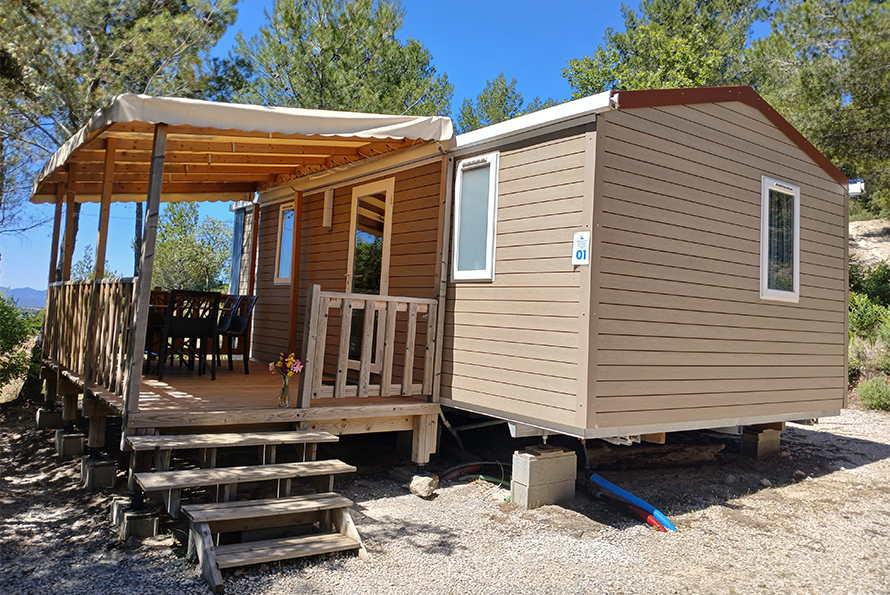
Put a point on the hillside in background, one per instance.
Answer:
(26, 297)
(870, 241)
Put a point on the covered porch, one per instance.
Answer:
(362, 374)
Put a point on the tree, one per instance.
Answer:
(670, 44)
(337, 55)
(190, 254)
(16, 327)
(60, 60)
(85, 268)
(498, 101)
(825, 66)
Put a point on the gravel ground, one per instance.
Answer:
(829, 533)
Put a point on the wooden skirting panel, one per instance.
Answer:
(351, 419)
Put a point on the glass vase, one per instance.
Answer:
(284, 395)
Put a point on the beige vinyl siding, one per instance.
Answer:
(512, 345)
(324, 254)
(683, 335)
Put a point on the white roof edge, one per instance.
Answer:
(592, 104)
(130, 107)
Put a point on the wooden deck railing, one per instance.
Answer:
(90, 342)
(394, 330)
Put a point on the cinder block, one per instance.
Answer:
(69, 444)
(97, 474)
(49, 419)
(760, 443)
(548, 493)
(131, 523)
(540, 479)
(532, 470)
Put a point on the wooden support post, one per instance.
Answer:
(295, 272)
(69, 224)
(423, 442)
(69, 407)
(162, 459)
(52, 386)
(135, 347)
(57, 227)
(308, 352)
(251, 278)
(442, 268)
(207, 558)
(105, 209)
(171, 502)
(96, 437)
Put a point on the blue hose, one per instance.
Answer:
(627, 496)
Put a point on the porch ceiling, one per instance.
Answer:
(220, 152)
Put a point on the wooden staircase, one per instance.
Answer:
(231, 533)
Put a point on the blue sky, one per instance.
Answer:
(471, 41)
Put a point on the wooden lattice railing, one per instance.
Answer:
(87, 330)
(402, 353)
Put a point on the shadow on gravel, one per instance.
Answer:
(806, 452)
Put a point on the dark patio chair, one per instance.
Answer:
(191, 316)
(228, 311)
(238, 326)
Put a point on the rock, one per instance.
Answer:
(730, 479)
(765, 482)
(799, 475)
(785, 454)
(424, 485)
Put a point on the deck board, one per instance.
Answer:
(185, 399)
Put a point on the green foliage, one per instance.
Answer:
(336, 55)
(16, 328)
(61, 60)
(85, 268)
(669, 44)
(826, 67)
(854, 369)
(863, 210)
(875, 393)
(499, 101)
(866, 318)
(873, 281)
(367, 265)
(191, 254)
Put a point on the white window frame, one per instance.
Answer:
(766, 293)
(386, 187)
(486, 274)
(285, 206)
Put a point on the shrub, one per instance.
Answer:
(16, 328)
(854, 369)
(866, 317)
(872, 281)
(875, 394)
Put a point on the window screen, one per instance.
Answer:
(285, 243)
(779, 240)
(475, 208)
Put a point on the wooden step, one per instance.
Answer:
(192, 478)
(218, 512)
(272, 550)
(229, 439)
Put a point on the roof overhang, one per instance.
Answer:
(221, 151)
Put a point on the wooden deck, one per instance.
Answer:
(186, 400)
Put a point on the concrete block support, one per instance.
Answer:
(48, 419)
(69, 443)
(98, 474)
(543, 477)
(760, 442)
(133, 523)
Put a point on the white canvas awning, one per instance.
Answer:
(221, 151)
